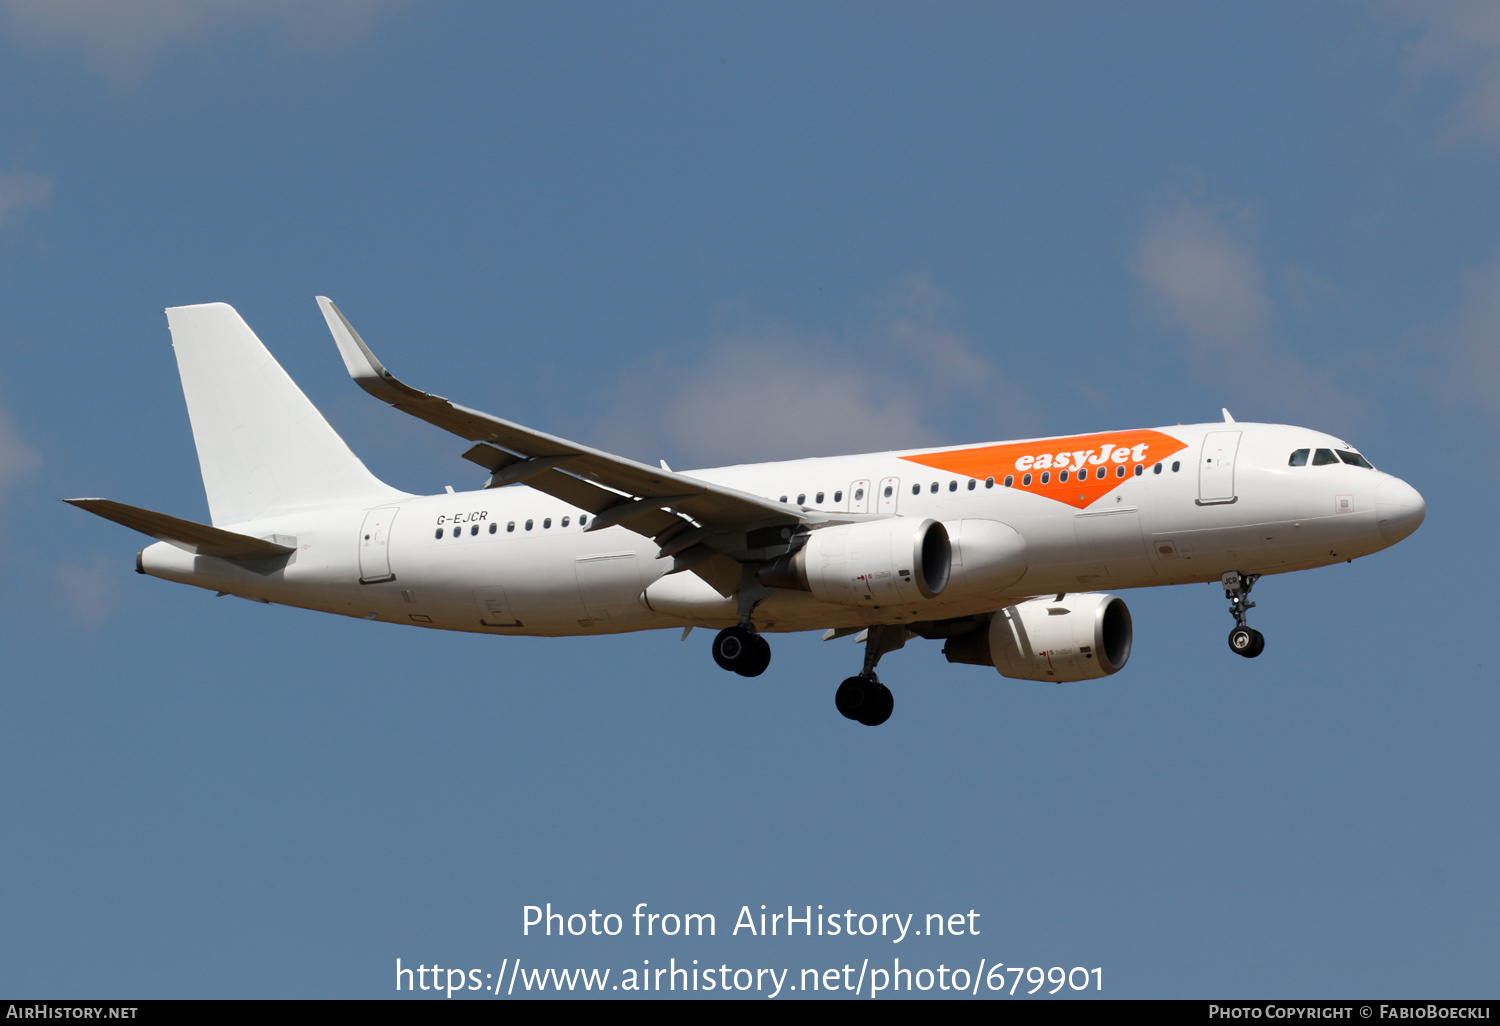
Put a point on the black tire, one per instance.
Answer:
(878, 706)
(1257, 646)
(852, 697)
(758, 658)
(734, 648)
(1242, 642)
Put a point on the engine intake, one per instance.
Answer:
(873, 563)
(1081, 637)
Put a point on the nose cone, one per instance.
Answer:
(1400, 509)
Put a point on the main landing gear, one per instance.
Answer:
(741, 650)
(863, 698)
(1243, 640)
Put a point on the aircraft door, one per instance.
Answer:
(374, 545)
(1216, 467)
(890, 488)
(859, 497)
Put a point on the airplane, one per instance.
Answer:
(999, 550)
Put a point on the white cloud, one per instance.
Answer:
(91, 593)
(777, 393)
(1203, 280)
(22, 192)
(1200, 278)
(1462, 38)
(16, 457)
(1472, 340)
(123, 36)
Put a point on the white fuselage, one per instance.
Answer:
(511, 560)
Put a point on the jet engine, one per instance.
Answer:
(874, 563)
(1079, 637)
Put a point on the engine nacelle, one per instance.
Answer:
(1082, 637)
(875, 563)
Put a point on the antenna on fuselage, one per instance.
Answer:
(1227, 418)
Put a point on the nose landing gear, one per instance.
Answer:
(741, 650)
(1243, 640)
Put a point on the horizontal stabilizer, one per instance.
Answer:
(199, 539)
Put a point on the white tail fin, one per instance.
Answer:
(263, 448)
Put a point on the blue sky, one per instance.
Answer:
(712, 233)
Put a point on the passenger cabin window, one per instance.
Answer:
(972, 483)
(528, 525)
(564, 522)
(838, 496)
(1010, 479)
(934, 487)
(1140, 468)
(1026, 480)
(583, 520)
(1323, 457)
(439, 533)
(494, 528)
(1156, 469)
(1176, 466)
(802, 498)
(510, 526)
(1299, 458)
(818, 498)
(1354, 459)
(474, 530)
(546, 523)
(1099, 473)
(953, 486)
(1062, 477)
(1046, 476)
(888, 491)
(859, 493)
(916, 489)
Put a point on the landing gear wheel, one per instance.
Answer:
(734, 648)
(850, 697)
(758, 659)
(880, 705)
(742, 651)
(1247, 642)
(864, 700)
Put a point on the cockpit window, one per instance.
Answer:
(1354, 459)
(1299, 458)
(1323, 457)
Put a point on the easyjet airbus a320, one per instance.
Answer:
(996, 549)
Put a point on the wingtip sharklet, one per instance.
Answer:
(358, 359)
(363, 366)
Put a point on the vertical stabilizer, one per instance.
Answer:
(263, 447)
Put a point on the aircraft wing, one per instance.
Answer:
(615, 489)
